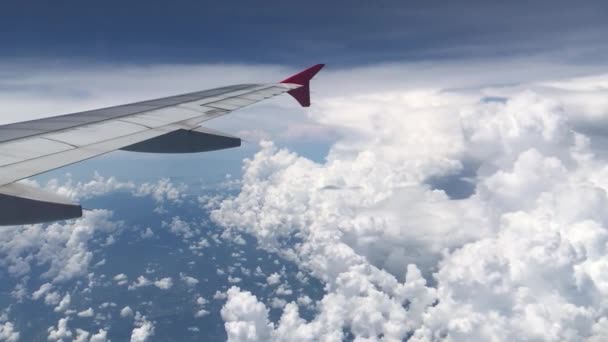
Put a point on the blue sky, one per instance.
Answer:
(342, 33)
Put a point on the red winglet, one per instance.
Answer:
(302, 94)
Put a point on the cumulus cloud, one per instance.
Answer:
(163, 191)
(164, 283)
(246, 319)
(61, 332)
(121, 279)
(179, 227)
(100, 336)
(401, 252)
(64, 303)
(8, 332)
(62, 247)
(44, 288)
(189, 281)
(143, 330)
(97, 186)
(273, 279)
(201, 312)
(86, 313)
(140, 282)
(126, 311)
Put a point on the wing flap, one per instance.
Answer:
(20, 150)
(90, 134)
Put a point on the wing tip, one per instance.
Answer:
(304, 76)
(302, 93)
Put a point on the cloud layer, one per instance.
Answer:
(522, 257)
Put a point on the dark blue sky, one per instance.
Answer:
(300, 32)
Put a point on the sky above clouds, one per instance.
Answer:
(342, 33)
(447, 183)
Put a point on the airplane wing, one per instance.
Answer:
(165, 125)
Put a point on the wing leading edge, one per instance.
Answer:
(165, 125)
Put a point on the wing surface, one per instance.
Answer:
(164, 125)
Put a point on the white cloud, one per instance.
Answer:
(141, 281)
(305, 301)
(106, 305)
(189, 281)
(179, 227)
(162, 191)
(219, 295)
(97, 186)
(201, 301)
(273, 279)
(101, 336)
(44, 288)
(143, 330)
(64, 303)
(121, 279)
(164, 283)
(82, 336)
(201, 313)
(52, 298)
(126, 312)
(246, 319)
(234, 280)
(8, 333)
(147, 233)
(522, 257)
(61, 247)
(61, 332)
(86, 313)
(278, 303)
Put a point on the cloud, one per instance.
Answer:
(520, 257)
(246, 319)
(126, 312)
(8, 332)
(63, 247)
(189, 281)
(143, 330)
(101, 336)
(179, 227)
(141, 281)
(273, 279)
(44, 288)
(163, 191)
(121, 279)
(164, 283)
(62, 331)
(64, 303)
(97, 186)
(86, 313)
